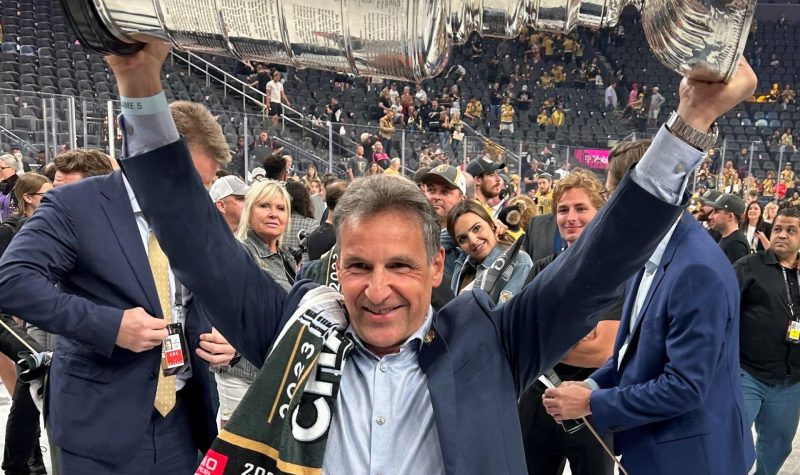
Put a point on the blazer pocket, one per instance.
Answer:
(689, 425)
(85, 368)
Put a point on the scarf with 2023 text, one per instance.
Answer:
(281, 425)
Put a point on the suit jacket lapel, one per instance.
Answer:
(627, 309)
(118, 211)
(434, 360)
(666, 258)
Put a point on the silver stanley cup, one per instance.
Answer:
(404, 39)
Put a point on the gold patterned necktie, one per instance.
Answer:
(159, 266)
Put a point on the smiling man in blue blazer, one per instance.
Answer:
(671, 391)
(448, 381)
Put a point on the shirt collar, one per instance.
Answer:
(131, 196)
(413, 342)
(658, 254)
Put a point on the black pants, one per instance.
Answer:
(548, 446)
(22, 432)
(22, 426)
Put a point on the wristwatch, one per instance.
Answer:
(702, 141)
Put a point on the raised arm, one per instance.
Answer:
(242, 301)
(560, 306)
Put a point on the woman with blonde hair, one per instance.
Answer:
(265, 216)
(770, 211)
(310, 176)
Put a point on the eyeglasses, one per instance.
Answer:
(37, 194)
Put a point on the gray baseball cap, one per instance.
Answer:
(227, 186)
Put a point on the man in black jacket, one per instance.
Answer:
(770, 333)
(728, 209)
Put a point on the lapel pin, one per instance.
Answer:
(429, 337)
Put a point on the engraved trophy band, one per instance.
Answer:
(403, 39)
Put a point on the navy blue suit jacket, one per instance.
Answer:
(72, 270)
(675, 403)
(481, 358)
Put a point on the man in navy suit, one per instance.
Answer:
(422, 392)
(79, 269)
(671, 392)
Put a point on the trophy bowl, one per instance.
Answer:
(403, 39)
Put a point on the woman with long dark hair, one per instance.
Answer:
(301, 220)
(474, 231)
(755, 228)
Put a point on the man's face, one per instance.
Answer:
(442, 196)
(66, 178)
(232, 207)
(263, 136)
(205, 165)
(386, 279)
(718, 219)
(543, 185)
(785, 237)
(359, 150)
(490, 184)
(6, 171)
(574, 211)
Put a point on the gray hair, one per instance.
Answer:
(370, 196)
(470, 194)
(9, 160)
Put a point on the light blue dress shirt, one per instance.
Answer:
(650, 268)
(384, 421)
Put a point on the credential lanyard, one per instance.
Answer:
(789, 293)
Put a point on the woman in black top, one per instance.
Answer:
(755, 228)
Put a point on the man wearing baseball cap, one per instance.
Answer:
(228, 194)
(488, 183)
(727, 209)
(445, 186)
(706, 211)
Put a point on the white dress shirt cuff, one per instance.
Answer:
(592, 384)
(146, 124)
(665, 168)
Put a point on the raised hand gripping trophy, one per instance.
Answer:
(403, 39)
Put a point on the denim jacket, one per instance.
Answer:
(274, 264)
(521, 266)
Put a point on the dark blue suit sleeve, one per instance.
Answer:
(604, 376)
(695, 335)
(40, 255)
(562, 304)
(242, 302)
